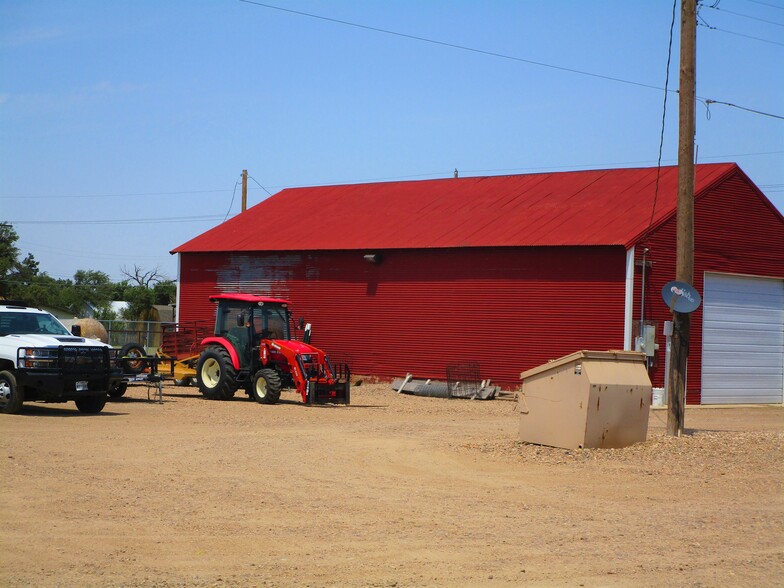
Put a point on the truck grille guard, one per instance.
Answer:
(65, 359)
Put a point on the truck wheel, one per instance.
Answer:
(135, 364)
(91, 404)
(11, 397)
(266, 387)
(118, 390)
(215, 374)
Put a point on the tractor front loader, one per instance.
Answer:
(252, 349)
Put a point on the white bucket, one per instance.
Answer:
(657, 397)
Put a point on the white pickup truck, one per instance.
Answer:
(40, 360)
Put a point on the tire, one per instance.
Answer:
(11, 397)
(135, 363)
(91, 404)
(215, 374)
(266, 387)
(118, 390)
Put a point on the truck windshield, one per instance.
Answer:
(27, 323)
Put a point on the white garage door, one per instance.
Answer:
(743, 340)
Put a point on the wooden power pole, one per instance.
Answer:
(684, 268)
(244, 190)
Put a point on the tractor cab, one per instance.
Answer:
(245, 323)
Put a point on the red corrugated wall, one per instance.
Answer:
(735, 231)
(421, 310)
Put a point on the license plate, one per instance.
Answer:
(81, 386)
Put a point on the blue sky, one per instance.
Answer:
(124, 126)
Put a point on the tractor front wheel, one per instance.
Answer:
(215, 374)
(266, 387)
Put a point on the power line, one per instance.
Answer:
(233, 194)
(765, 4)
(131, 255)
(139, 194)
(708, 102)
(455, 46)
(437, 174)
(480, 51)
(664, 114)
(707, 26)
(716, 7)
(260, 186)
(508, 170)
(131, 221)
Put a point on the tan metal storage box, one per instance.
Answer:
(586, 399)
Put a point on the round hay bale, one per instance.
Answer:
(93, 329)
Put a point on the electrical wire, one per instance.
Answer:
(144, 194)
(765, 4)
(131, 255)
(114, 195)
(455, 46)
(712, 28)
(664, 115)
(716, 7)
(260, 186)
(573, 166)
(708, 101)
(474, 50)
(233, 194)
(131, 221)
(437, 174)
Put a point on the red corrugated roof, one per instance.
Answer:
(600, 207)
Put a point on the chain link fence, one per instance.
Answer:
(145, 333)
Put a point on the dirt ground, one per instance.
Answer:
(392, 491)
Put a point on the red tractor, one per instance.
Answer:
(252, 348)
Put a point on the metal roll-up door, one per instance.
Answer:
(743, 340)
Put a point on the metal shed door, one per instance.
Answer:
(743, 340)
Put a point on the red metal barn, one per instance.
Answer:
(511, 271)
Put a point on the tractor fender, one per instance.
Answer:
(223, 342)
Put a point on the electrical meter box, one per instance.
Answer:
(586, 399)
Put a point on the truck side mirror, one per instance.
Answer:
(301, 323)
(76, 330)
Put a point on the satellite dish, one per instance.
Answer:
(681, 297)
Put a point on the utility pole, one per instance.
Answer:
(684, 267)
(244, 190)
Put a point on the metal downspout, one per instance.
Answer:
(179, 287)
(629, 301)
(642, 306)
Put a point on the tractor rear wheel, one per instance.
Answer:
(266, 387)
(215, 374)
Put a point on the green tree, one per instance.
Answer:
(95, 288)
(143, 290)
(165, 292)
(140, 303)
(9, 252)
(15, 276)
